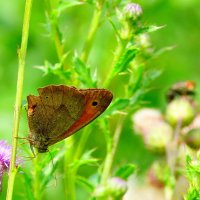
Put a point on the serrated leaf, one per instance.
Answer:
(56, 69)
(67, 4)
(117, 105)
(136, 79)
(125, 171)
(162, 50)
(86, 159)
(192, 194)
(84, 73)
(85, 183)
(148, 29)
(124, 60)
(150, 76)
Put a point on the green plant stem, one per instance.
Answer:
(92, 32)
(69, 177)
(70, 157)
(172, 152)
(37, 177)
(17, 109)
(112, 146)
(56, 33)
(82, 142)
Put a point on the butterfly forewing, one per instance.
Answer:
(96, 101)
(60, 111)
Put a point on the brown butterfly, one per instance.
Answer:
(180, 89)
(59, 111)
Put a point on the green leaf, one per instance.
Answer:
(124, 60)
(56, 69)
(117, 105)
(84, 73)
(150, 76)
(148, 29)
(85, 183)
(136, 79)
(65, 4)
(125, 171)
(86, 159)
(192, 194)
(162, 50)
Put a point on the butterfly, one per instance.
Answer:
(59, 111)
(180, 89)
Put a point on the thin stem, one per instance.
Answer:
(70, 157)
(82, 142)
(172, 151)
(111, 152)
(172, 148)
(56, 33)
(92, 32)
(17, 109)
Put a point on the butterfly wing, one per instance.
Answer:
(60, 111)
(53, 112)
(96, 101)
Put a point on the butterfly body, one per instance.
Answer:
(59, 111)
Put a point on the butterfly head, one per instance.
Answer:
(40, 143)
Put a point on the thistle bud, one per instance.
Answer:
(192, 138)
(132, 11)
(117, 186)
(147, 115)
(159, 135)
(180, 111)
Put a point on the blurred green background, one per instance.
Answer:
(182, 30)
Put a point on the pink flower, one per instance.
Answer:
(5, 155)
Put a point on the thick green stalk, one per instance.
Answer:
(17, 109)
(36, 177)
(69, 176)
(92, 32)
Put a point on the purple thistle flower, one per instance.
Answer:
(5, 156)
(133, 10)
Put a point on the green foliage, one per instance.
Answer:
(193, 174)
(128, 73)
(84, 73)
(125, 171)
(124, 61)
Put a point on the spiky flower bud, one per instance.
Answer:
(160, 134)
(180, 111)
(132, 11)
(117, 186)
(192, 138)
